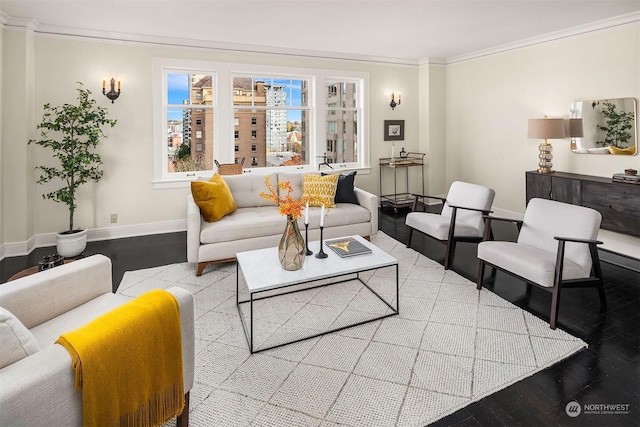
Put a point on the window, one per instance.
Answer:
(277, 104)
(343, 110)
(273, 116)
(183, 91)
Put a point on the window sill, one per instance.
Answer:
(186, 182)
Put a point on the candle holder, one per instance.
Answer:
(321, 254)
(306, 239)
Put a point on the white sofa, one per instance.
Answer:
(39, 389)
(257, 224)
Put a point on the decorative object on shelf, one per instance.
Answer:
(403, 154)
(292, 249)
(393, 104)
(112, 94)
(546, 129)
(79, 128)
(628, 178)
(50, 261)
(321, 254)
(394, 130)
(630, 172)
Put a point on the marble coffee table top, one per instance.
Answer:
(262, 271)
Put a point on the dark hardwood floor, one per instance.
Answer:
(132, 253)
(606, 373)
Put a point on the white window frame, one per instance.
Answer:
(224, 119)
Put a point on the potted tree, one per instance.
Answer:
(77, 130)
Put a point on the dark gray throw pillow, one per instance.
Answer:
(344, 191)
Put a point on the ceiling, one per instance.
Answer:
(395, 29)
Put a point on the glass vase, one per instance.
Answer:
(291, 250)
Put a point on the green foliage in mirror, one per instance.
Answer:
(616, 127)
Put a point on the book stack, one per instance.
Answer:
(347, 247)
(623, 177)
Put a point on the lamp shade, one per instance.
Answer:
(546, 128)
(573, 128)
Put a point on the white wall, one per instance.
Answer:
(17, 129)
(126, 187)
(469, 117)
(490, 99)
(1, 144)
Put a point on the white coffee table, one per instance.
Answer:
(262, 273)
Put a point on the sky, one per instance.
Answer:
(178, 91)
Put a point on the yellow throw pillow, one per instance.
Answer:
(320, 190)
(213, 197)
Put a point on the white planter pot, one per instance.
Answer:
(70, 245)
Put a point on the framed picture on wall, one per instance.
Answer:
(394, 130)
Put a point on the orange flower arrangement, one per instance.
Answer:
(287, 205)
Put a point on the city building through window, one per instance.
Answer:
(271, 119)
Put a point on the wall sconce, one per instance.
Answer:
(393, 104)
(546, 129)
(112, 94)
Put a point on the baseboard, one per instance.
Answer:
(13, 249)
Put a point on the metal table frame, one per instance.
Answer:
(249, 330)
(396, 199)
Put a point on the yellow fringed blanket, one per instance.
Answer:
(128, 363)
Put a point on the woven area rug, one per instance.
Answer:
(449, 346)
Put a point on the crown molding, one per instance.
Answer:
(140, 39)
(21, 23)
(9, 22)
(4, 18)
(432, 61)
(625, 19)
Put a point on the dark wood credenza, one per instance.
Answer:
(619, 203)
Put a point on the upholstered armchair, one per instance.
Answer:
(37, 381)
(556, 249)
(460, 219)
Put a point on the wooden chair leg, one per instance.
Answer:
(410, 235)
(183, 418)
(595, 260)
(555, 305)
(448, 256)
(480, 274)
